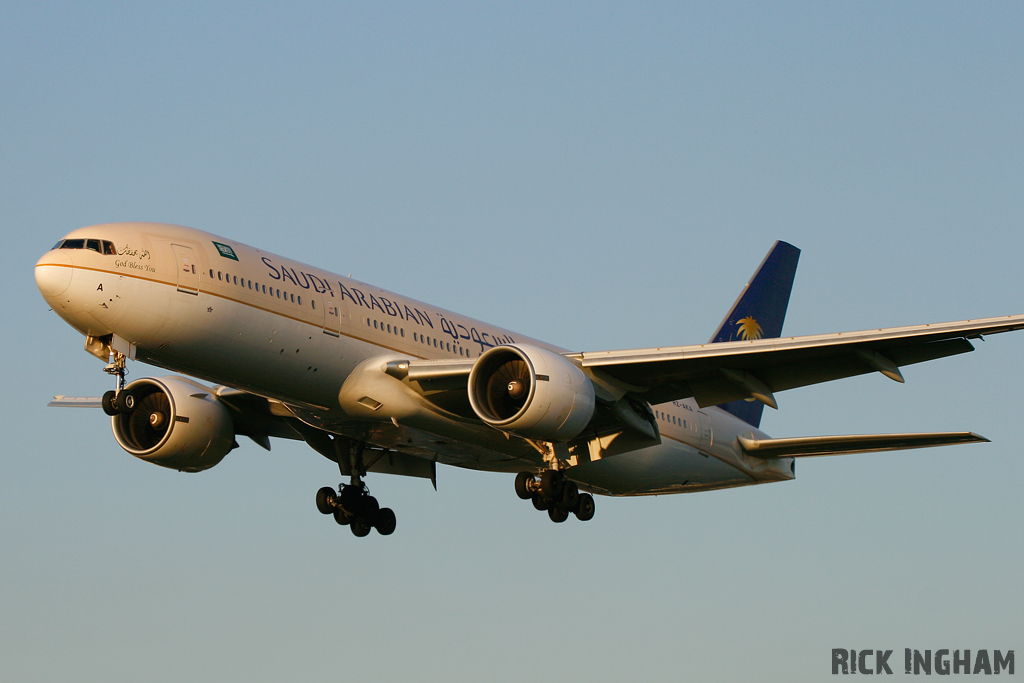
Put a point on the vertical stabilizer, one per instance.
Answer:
(759, 313)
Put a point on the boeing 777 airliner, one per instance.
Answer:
(379, 382)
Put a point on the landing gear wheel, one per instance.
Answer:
(551, 484)
(522, 479)
(109, 403)
(368, 509)
(558, 515)
(360, 528)
(386, 522)
(342, 517)
(540, 502)
(325, 500)
(585, 507)
(570, 496)
(125, 402)
(349, 498)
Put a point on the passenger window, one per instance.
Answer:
(312, 303)
(293, 298)
(211, 273)
(389, 329)
(300, 299)
(219, 274)
(236, 279)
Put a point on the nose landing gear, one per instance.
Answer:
(555, 494)
(119, 401)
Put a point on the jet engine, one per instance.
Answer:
(175, 423)
(531, 392)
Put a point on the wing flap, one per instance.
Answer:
(818, 446)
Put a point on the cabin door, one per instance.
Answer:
(707, 436)
(188, 269)
(332, 314)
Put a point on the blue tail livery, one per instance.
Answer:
(759, 313)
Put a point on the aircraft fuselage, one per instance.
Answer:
(221, 311)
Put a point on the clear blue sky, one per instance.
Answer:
(599, 175)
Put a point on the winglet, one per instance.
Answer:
(759, 312)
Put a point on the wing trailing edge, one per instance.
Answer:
(819, 446)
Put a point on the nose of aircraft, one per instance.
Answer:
(53, 274)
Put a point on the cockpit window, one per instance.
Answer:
(99, 246)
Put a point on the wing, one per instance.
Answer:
(816, 446)
(757, 369)
(261, 418)
(253, 416)
(75, 402)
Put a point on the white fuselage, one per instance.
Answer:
(219, 310)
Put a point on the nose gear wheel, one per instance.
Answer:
(116, 402)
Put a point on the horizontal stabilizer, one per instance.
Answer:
(75, 402)
(817, 446)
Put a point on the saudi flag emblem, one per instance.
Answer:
(226, 251)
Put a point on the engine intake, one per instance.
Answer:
(531, 392)
(176, 423)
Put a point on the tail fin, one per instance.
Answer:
(759, 313)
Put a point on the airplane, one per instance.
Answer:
(381, 383)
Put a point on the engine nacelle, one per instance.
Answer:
(531, 392)
(176, 423)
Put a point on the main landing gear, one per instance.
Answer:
(352, 505)
(554, 493)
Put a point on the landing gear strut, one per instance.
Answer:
(351, 504)
(554, 493)
(118, 401)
